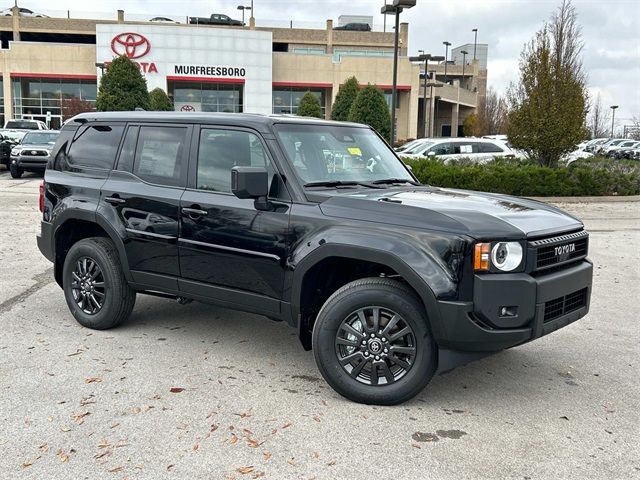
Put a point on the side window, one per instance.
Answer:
(488, 147)
(95, 146)
(442, 149)
(160, 154)
(221, 150)
(462, 148)
(127, 153)
(59, 152)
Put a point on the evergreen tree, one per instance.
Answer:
(370, 107)
(309, 106)
(549, 105)
(159, 101)
(344, 99)
(122, 87)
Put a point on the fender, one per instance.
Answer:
(417, 256)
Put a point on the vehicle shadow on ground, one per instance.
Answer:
(517, 372)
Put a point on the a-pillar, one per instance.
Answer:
(455, 113)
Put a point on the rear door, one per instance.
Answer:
(142, 196)
(229, 250)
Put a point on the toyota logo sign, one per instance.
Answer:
(187, 108)
(133, 45)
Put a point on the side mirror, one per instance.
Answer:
(251, 182)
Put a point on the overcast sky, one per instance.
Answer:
(610, 29)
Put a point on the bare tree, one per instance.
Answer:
(599, 120)
(492, 114)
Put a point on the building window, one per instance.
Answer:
(362, 53)
(206, 96)
(287, 100)
(309, 51)
(34, 97)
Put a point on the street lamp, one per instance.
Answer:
(395, 9)
(613, 117)
(464, 62)
(243, 8)
(475, 42)
(433, 84)
(446, 55)
(425, 57)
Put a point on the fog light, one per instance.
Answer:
(508, 311)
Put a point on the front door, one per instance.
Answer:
(230, 251)
(143, 197)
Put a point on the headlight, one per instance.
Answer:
(15, 152)
(506, 256)
(503, 256)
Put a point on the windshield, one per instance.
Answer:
(421, 147)
(40, 138)
(327, 153)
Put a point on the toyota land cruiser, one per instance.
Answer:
(315, 223)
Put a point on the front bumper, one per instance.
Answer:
(544, 304)
(30, 164)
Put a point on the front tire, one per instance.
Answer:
(95, 288)
(372, 344)
(15, 171)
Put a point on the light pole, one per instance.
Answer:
(613, 117)
(464, 62)
(431, 86)
(243, 8)
(395, 9)
(426, 57)
(446, 55)
(475, 42)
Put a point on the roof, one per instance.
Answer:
(236, 119)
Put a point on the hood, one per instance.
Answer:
(476, 214)
(31, 146)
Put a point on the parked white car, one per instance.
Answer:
(411, 145)
(479, 149)
(610, 150)
(23, 124)
(24, 12)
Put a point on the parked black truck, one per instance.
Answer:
(315, 223)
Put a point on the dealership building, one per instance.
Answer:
(254, 69)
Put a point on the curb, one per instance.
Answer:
(608, 199)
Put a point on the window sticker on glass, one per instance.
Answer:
(465, 149)
(354, 151)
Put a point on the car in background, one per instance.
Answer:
(32, 154)
(612, 150)
(24, 12)
(478, 149)
(604, 147)
(625, 151)
(162, 20)
(7, 142)
(355, 27)
(24, 124)
(216, 19)
(593, 144)
(410, 145)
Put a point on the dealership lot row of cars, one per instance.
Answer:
(25, 146)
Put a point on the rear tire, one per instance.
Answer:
(372, 343)
(95, 288)
(15, 171)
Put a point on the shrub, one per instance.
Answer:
(344, 99)
(309, 106)
(370, 107)
(159, 101)
(122, 87)
(593, 177)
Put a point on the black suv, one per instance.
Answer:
(312, 222)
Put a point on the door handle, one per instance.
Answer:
(115, 200)
(194, 212)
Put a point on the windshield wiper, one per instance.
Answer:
(340, 183)
(394, 180)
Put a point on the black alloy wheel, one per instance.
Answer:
(87, 285)
(375, 346)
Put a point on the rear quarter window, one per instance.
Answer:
(490, 147)
(95, 146)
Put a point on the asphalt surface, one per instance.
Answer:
(199, 392)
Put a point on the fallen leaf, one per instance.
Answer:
(316, 418)
(253, 443)
(44, 447)
(65, 429)
(93, 380)
(176, 389)
(415, 445)
(63, 456)
(102, 454)
(196, 446)
(292, 461)
(247, 431)
(214, 427)
(79, 417)
(116, 469)
(266, 456)
(316, 455)
(331, 463)
(243, 414)
(287, 425)
(245, 470)
(258, 474)
(169, 467)
(233, 440)
(28, 463)
(104, 444)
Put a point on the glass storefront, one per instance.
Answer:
(206, 96)
(34, 97)
(286, 100)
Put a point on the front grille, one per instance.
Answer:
(549, 251)
(34, 153)
(562, 305)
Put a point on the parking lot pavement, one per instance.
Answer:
(201, 392)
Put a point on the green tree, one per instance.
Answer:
(549, 104)
(309, 106)
(370, 107)
(470, 125)
(159, 101)
(122, 87)
(344, 99)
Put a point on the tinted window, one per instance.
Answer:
(95, 146)
(159, 155)
(442, 149)
(220, 151)
(488, 147)
(22, 125)
(41, 137)
(127, 153)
